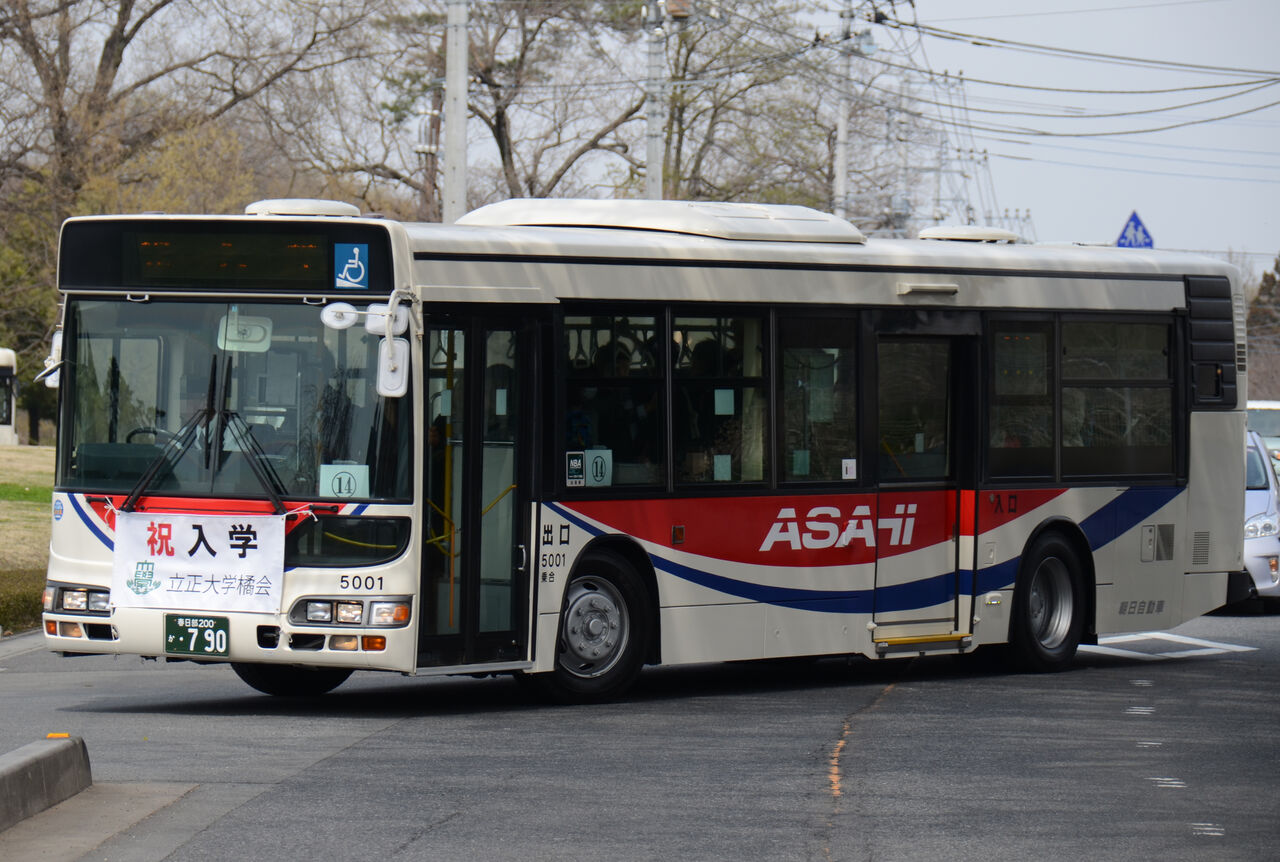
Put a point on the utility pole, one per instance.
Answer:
(428, 149)
(862, 44)
(457, 48)
(654, 104)
(840, 192)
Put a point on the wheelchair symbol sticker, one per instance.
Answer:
(351, 265)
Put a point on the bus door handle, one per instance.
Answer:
(524, 558)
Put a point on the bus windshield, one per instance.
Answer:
(226, 399)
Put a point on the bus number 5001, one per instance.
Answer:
(360, 582)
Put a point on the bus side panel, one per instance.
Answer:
(1215, 514)
(745, 585)
(1140, 575)
(713, 633)
(1139, 586)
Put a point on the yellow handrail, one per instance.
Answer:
(497, 500)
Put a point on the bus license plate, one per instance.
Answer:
(189, 634)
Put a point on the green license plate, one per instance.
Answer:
(190, 634)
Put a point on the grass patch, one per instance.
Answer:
(24, 533)
(25, 493)
(20, 597)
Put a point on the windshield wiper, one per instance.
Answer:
(259, 461)
(178, 444)
(227, 420)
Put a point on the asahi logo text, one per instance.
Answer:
(823, 527)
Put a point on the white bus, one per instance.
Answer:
(8, 397)
(567, 439)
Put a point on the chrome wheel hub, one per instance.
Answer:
(1050, 603)
(595, 629)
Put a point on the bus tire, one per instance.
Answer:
(284, 680)
(603, 634)
(1048, 606)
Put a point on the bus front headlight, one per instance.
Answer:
(388, 613)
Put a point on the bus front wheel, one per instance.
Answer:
(1048, 606)
(604, 631)
(288, 681)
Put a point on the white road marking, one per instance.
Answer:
(1199, 646)
(1213, 830)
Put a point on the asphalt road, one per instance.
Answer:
(1150, 748)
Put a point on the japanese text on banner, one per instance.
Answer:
(198, 562)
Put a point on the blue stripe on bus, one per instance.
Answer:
(1124, 513)
(1101, 528)
(899, 597)
(87, 520)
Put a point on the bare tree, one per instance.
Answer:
(546, 84)
(93, 84)
(1264, 335)
(91, 91)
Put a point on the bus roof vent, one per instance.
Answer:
(301, 207)
(969, 233)
(770, 222)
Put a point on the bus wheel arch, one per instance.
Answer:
(606, 628)
(629, 550)
(1053, 601)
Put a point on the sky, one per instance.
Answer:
(1211, 186)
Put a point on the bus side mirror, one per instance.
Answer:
(52, 363)
(393, 367)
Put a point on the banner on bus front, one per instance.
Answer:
(198, 562)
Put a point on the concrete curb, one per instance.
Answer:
(40, 775)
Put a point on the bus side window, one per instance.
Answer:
(720, 403)
(614, 401)
(818, 398)
(1020, 422)
(1117, 398)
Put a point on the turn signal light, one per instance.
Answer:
(373, 643)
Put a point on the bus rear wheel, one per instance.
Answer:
(1048, 606)
(604, 631)
(287, 681)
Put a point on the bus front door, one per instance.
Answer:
(926, 391)
(473, 599)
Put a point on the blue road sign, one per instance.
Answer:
(1135, 234)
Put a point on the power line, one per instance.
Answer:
(1078, 12)
(1131, 170)
(992, 41)
(1144, 156)
(1115, 114)
(1041, 133)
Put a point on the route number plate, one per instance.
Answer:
(189, 634)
